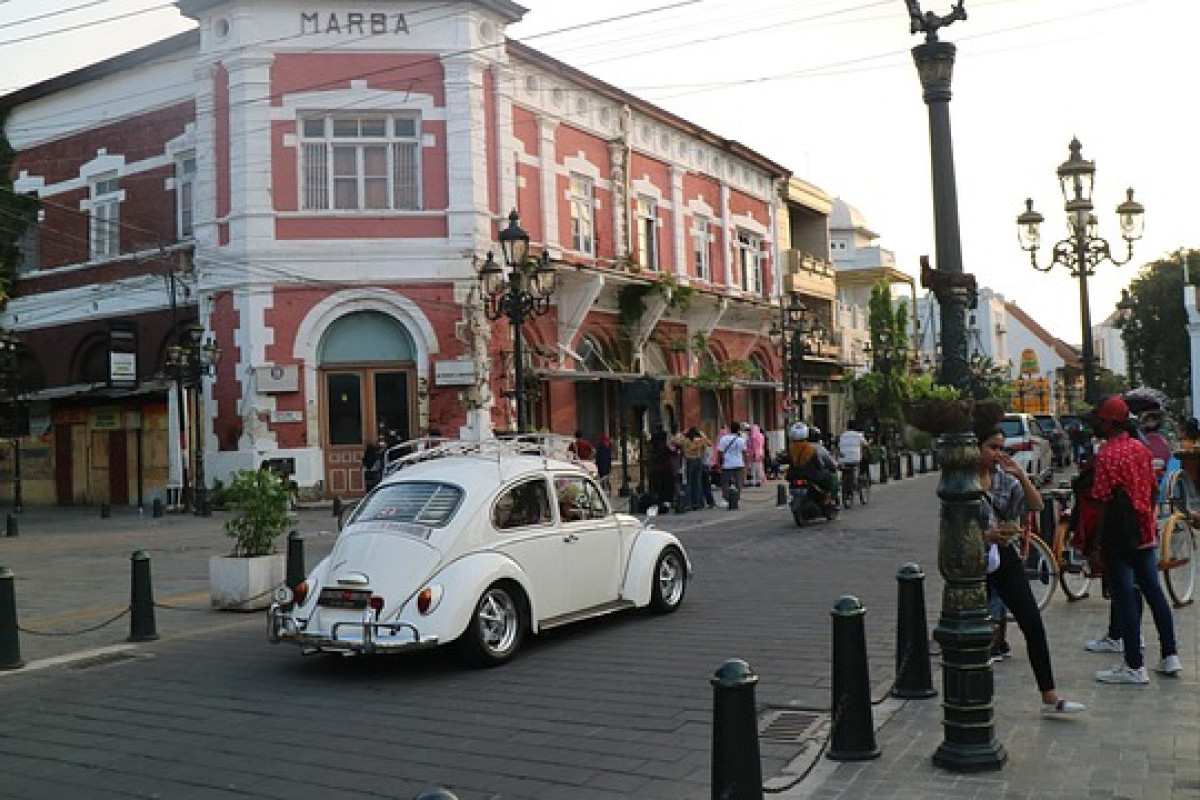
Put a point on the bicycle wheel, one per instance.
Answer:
(1177, 559)
(1073, 574)
(864, 486)
(1042, 571)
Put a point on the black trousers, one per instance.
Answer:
(1010, 582)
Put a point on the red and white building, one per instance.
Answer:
(317, 186)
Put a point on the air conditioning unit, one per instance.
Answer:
(277, 378)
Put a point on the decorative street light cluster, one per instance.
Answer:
(526, 293)
(10, 374)
(192, 360)
(1083, 250)
(797, 323)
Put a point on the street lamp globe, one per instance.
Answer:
(1130, 213)
(514, 241)
(1029, 227)
(1076, 178)
(544, 277)
(491, 276)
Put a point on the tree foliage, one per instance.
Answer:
(1155, 332)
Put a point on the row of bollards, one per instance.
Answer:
(142, 627)
(736, 764)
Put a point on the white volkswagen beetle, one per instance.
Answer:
(479, 544)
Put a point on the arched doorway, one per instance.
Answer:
(368, 391)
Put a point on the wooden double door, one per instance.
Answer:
(362, 405)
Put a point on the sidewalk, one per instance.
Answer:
(72, 574)
(1132, 742)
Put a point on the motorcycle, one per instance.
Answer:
(808, 501)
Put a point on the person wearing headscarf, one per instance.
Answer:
(755, 446)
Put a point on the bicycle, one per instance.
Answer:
(1177, 542)
(1041, 566)
(1075, 573)
(855, 480)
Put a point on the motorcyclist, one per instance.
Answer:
(809, 460)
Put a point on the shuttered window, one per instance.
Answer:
(366, 163)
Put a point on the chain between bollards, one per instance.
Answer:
(141, 599)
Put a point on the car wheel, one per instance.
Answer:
(669, 581)
(497, 627)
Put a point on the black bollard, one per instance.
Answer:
(436, 794)
(681, 500)
(908, 465)
(923, 463)
(781, 494)
(295, 559)
(733, 497)
(883, 467)
(736, 764)
(141, 599)
(337, 507)
(933, 461)
(853, 734)
(896, 473)
(1048, 519)
(11, 527)
(156, 508)
(635, 503)
(105, 511)
(913, 675)
(10, 641)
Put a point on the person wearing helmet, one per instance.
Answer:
(810, 461)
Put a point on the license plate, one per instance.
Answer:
(344, 598)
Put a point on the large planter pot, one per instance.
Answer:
(244, 584)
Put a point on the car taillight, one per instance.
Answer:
(428, 599)
(300, 592)
(376, 603)
(1022, 447)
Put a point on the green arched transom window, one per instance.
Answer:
(366, 336)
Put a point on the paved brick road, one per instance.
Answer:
(617, 708)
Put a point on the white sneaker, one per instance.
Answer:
(1105, 644)
(1169, 666)
(1123, 673)
(1062, 707)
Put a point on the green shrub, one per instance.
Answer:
(259, 500)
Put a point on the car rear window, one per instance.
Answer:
(429, 503)
(1012, 428)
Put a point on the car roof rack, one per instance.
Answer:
(428, 448)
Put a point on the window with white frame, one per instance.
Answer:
(360, 162)
(749, 262)
(185, 198)
(702, 248)
(29, 254)
(583, 215)
(104, 217)
(647, 233)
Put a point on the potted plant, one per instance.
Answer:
(259, 500)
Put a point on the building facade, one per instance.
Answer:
(259, 242)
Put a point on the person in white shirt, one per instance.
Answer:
(732, 450)
(850, 449)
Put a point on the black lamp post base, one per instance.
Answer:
(985, 757)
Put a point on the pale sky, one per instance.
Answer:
(828, 89)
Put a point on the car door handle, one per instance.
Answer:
(570, 537)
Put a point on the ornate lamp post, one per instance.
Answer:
(195, 358)
(10, 369)
(795, 325)
(963, 630)
(526, 293)
(1083, 250)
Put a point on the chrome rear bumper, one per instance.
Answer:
(364, 636)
